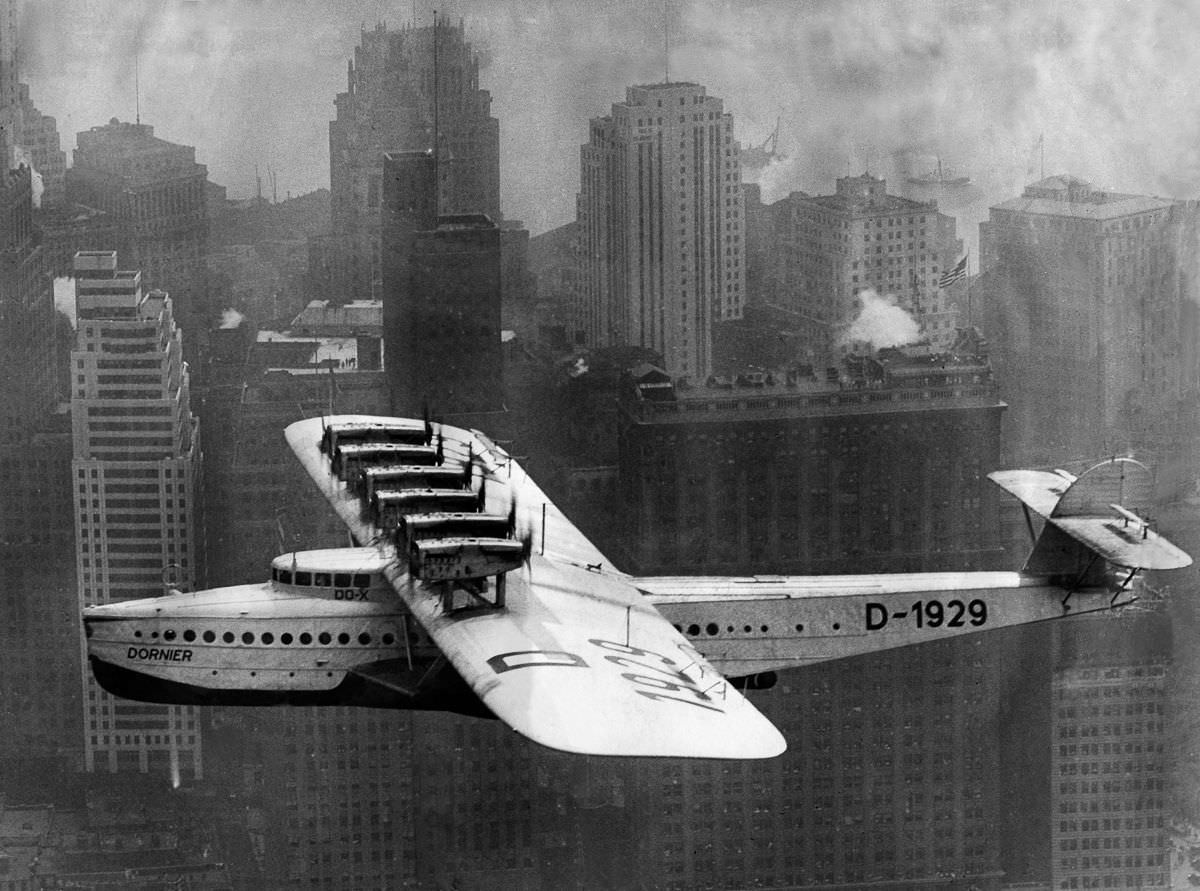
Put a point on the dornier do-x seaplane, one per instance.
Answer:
(473, 593)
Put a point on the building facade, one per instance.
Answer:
(1110, 814)
(155, 192)
(829, 249)
(886, 465)
(661, 229)
(389, 106)
(135, 469)
(1087, 295)
(39, 140)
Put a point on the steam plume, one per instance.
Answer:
(881, 323)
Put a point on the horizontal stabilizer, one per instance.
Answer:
(1092, 510)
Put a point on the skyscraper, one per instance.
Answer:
(389, 106)
(1085, 293)
(137, 460)
(661, 226)
(441, 296)
(9, 97)
(1109, 813)
(154, 189)
(39, 141)
(828, 249)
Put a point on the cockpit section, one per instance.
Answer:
(348, 574)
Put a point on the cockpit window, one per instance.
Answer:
(362, 580)
(321, 579)
(285, 576)
(304, 578)
(341, 580)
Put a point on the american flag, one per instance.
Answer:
(956, 274)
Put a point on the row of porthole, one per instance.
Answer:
(712, 629)
(286, 638)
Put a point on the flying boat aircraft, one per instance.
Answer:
(471, 592)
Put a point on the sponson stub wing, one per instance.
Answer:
(567, 652)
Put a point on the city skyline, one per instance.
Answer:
(775, 449)
(993, 89)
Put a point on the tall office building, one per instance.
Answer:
(828, 249)
(39, 653)
(155, 191)
(39, 141)
(442, 282)
(1109, 816)
(661, 227)
(135, 471)
(389, 106)
(887, 464)
(1086, 295)
(9, 96)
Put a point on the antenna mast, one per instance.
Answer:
(137, 86)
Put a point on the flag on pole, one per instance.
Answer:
(958, 273)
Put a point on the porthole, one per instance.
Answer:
(137, 634)
(247, 638)
(209, 637)
(364, 639)
(693, 630)
(730, 629)
(305, 638)
(189, 635)
(678, 628)
(836, 626)
(712, 628)
(268, 637)
(169, 634)
(285, 638)
(324, 637)
(389, 639)
(154, 635)
(343, 638)
(764, 629)
(747, 629)
(799, 627)
(227, 637)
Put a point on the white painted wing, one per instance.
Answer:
(577, 659)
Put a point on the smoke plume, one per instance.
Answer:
(881, 323)
(64, 298)
(231, 318)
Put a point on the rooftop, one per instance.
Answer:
(324, 317)
(1069, 196)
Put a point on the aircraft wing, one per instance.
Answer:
(575, 658)
(1039, 489)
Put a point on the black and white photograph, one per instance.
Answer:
(541, 445)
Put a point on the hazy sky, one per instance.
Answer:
(857, 85)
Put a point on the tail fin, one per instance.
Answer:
(1087, 518)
